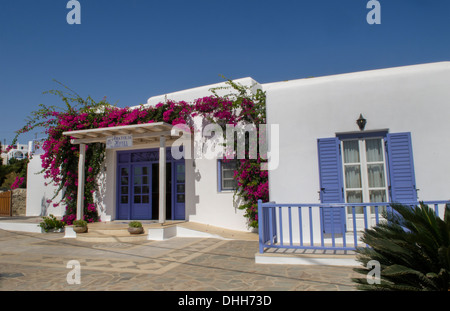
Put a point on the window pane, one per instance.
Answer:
(376, 175)
(137, 180)
(124, 171)
(137, 199)
(180, 198)
(124, 199)
(145, 199)
(145, 180)
(377, 196)
(137, 170)
(228, 174)
(354, 197)
(180, 168)
(351, 151)
(145, 189)
(124, 190)
(229, 165)
(145, 170)
(180, 177)
(229, 184)
(374, 150)
(137, 190)
(124, 180)
(352, 176)
(180, 188)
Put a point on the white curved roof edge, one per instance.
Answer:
(190, 95)
(399, 70)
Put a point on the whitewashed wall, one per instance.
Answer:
(412, 99)
(38, 193)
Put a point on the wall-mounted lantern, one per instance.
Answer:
(361, 122)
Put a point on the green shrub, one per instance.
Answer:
(80, 223)
(412, 248)
(51, 223)
(135, 224)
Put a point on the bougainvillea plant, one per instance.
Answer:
(60, 157)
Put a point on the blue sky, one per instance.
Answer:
(129, 50)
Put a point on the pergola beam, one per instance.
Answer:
(103, 139)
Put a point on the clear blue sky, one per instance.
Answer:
(129, 50)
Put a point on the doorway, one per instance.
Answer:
(138, 186)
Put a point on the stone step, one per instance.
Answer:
(101, 238)
(104, 233)
(118, 231)
(322, 258)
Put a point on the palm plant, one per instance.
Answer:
(412, 248)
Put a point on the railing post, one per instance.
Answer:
(260, 227)
(290, 226)
(280, 215)
(300, 221)
(355, 229)
(311, 232)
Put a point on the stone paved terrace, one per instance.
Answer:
(38, 262)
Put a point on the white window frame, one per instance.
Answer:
(363, 164)
(221, 178)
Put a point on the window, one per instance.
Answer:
(369, 167)
(364, 167)
(227, 182)
(364, 171)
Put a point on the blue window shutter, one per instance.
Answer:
(401, 168)
(331, 184)
(330, 168)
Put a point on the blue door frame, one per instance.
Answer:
(136, 185)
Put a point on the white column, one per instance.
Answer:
(80, 195)
(162, 179)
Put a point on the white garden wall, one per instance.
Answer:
(38, 192)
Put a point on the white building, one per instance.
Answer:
(324, 157)
(400, 156)
(18, 151)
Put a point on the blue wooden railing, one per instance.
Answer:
(301, 226)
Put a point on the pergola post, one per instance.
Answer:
(162, 179)
(80, 194)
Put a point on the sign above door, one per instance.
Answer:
(119, 141)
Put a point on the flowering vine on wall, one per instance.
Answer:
(60, 157)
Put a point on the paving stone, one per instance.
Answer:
(38, 262)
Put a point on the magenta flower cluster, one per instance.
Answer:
(60, 157)
(17, 183)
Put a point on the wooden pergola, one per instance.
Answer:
(141, 134)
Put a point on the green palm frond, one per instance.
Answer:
(412, 247)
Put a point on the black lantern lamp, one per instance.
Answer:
(361, 122)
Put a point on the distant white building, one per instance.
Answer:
(18, 151)
(324, 157)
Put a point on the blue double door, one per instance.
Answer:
(138, 187)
